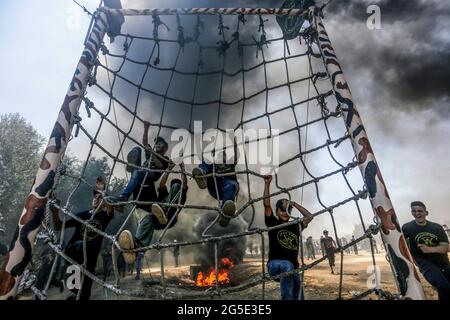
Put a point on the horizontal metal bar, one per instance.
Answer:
(208, 11)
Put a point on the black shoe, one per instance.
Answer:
(198, 173)
(229, 208)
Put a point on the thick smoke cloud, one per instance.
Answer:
(233, 249)
(387, 69)
(406, 61)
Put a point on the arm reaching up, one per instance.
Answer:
(145, 136)
(267, 208)
(166, 174)
(306, 214)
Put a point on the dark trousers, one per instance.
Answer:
(437, 276)
(227, 187)
(330, 257)
(75, 251)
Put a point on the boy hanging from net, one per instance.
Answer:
(225, 187)
(284, 243)
(175, 195)
(142, 182)
(85, 240)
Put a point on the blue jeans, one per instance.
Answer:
(137, 176)
(438, 277)
(227, 187)
(289, 284)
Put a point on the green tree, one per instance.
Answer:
(20, 153)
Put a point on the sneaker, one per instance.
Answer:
(229, 208)
(126, 242)
(159, 213)
(133, 158)
(198, 173)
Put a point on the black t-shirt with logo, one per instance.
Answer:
(430, 235)
(99, 220)
(283, 242)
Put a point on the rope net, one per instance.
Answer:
(235, 72)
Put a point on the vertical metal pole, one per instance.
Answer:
(401, 260)
(216, 266)
(263, 266)
(21, 250)
(163, 280)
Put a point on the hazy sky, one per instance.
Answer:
(399, 76)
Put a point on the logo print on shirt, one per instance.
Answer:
(91, 234)
(428, 239)
(287, 240)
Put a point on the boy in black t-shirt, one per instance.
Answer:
(329, 248)
(144, 190)
(284, 243)
(99, 217)
(223, 188)
(428, 243)
(150, 222)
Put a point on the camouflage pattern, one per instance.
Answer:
(401, 260)
(17, 259)
(212, 11)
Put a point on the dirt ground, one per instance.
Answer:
(320, 284)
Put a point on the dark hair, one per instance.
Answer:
(418, 203)
(161, 139)
(279, 204)
(100, 179)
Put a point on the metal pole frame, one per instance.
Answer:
(401, 261)
(17, 259)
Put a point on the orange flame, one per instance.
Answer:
(208, 280)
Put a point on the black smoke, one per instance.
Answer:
(407, 61)
(233, 249)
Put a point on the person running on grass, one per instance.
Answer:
(329, 247)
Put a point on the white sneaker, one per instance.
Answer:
(126, 242)
(159, 213)
(198, 173)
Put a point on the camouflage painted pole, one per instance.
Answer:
(21, 250)
(401, 260)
